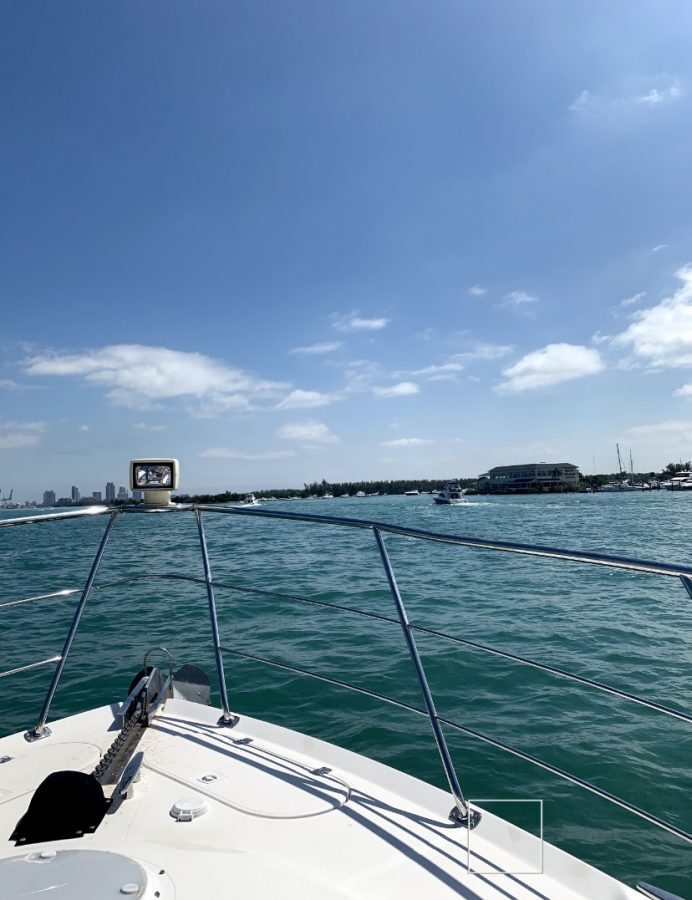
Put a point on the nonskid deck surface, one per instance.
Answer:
(285, 815)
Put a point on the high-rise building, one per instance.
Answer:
(75, 494)
(49, 498)
(110, 490)
(96, 496)
(122, 493)
(137, 495)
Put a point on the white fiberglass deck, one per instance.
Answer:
(274, 824)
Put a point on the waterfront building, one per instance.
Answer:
(541, 476)
(49, 498)
(110, 491)
(137, 495)
(74, 493)
(122, 493)
(96, 496)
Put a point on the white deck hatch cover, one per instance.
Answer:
(188, 808)
(71, 875)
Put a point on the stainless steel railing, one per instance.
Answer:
(41, 730)
(460, 811)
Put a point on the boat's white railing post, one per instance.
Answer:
(41, 730)
(461, 812)
(227, 719)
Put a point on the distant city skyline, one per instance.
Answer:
(351, 242)
(75, 495)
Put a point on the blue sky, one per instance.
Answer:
(294, 240)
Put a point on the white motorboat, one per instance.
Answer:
(452, 495)
(163, 796)
(411, 493)
(250, 500)
(680, 482)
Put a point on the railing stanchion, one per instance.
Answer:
(461, 812)
(41, 730)
(227, 717)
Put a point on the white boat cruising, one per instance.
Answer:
(250, 500)
(411, 493)
(452, 495)
(163, 796)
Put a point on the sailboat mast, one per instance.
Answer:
(617, 446)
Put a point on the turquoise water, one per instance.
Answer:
(631, 630)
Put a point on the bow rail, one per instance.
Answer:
(461, 811)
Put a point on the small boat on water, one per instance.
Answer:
(411, 493)
(250, 500)
(452, 495)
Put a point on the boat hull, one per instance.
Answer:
(287, 813)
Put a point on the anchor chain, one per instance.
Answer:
(113, 761)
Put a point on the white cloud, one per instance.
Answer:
(619, 310)
(477, 290)
(354, 322)
(83, 428)
(551, 365)
(670, 429)
(305, 400)
(629, 99)
(316, 432)
(434, 372)
(20, 434)
(661, 336)
(684, 391)
(519, 301)
(633, 300)
(402, 389)
(657, 248)
(217, 403)
(484, 352)
(6, 384)
(141, 376)
(146, 426)
(450, 369)
(317, 349)
(582, 102)
(406, 442)
(360, 374)
(655, 97)
(228, 453)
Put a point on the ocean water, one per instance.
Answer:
(630, 630)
